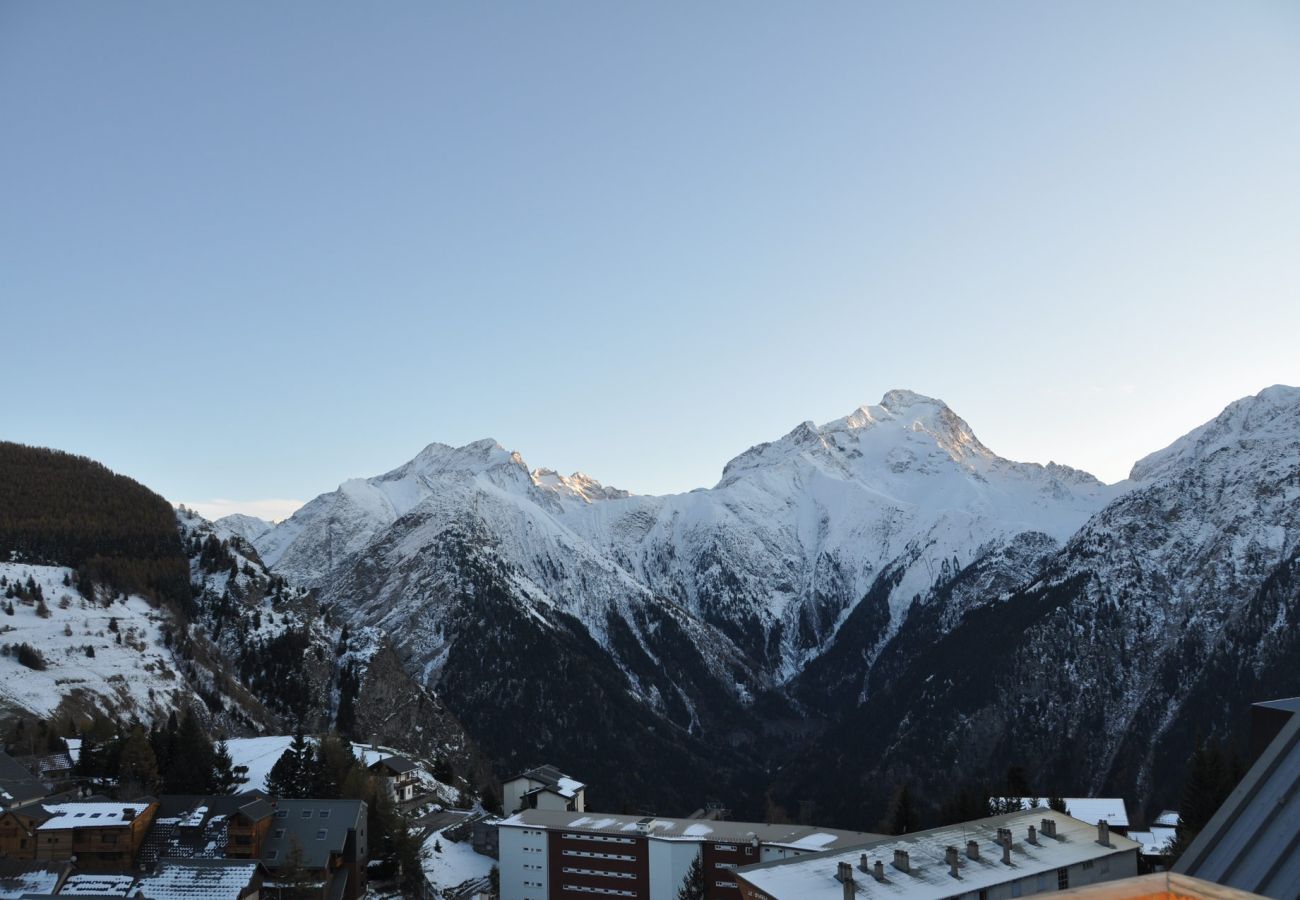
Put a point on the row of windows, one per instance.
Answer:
(607, 838)
(724, 884)
(604, 873)
(591, 854)
(606, 892)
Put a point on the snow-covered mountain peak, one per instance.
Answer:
(902, 426)
(240, 525)
(579, 485)
(1269, 419)
(441, 459)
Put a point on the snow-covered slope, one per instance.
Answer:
(246, 527)
(772, 557)
(108, 656)
(1155, 624)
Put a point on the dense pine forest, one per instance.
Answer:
(57, 508)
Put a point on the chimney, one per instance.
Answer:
(878, 871)
(973, 849)
(846, 880)
(1103, 833)
(1033, 835)
(862, 863)
(901, 862)
(128, 813)
(1004, 838)
(843, 872)
(950, 856)
(1049, 828)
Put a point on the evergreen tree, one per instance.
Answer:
(334, 762)
(1057, 804)
(190, 770)
(1212, 773)
(902, 817)
(226, 776)
(291, 776)
(137, 769)
(693, 884)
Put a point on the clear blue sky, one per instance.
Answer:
(248, 250)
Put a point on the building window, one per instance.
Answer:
(1015, 889)
(320, 834)
(1062, 879)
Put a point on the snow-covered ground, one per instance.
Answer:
(260, 754)
(456, 864)
(135, 677)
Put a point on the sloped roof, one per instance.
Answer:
(91, 885)
(19, 878)
(812, 877)
(91, 815)
(552, 779)
(1251, 842)
(17, 785)
(397, 764)
(320, 827)
(197, 879)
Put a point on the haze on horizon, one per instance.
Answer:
(250, 251)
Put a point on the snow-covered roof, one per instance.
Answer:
(19, 878)
(1167, 817)
(397, 764)
(98, 885)
(90, 815)
(812, 877)
(1111, 810)
(799, 837)
(198, 879)
(1156, 841)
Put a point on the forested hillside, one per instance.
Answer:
(61, 509)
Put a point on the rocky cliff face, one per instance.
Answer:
(884, 582)
(1157, 622)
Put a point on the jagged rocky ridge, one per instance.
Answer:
(686, 616)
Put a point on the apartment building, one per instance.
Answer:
(565, 855)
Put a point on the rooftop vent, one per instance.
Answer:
(1049, 828)
(951, 856)
(1033, 835)
(862, 863)
(973, 849)
(901, 862)
(844, 873)
(878, 871)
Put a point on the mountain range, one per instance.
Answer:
(820, 596)
(877, 602)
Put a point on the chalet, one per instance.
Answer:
(326, 839)
(544, 787)
(18, 786)
(1010, 855)
(196, 827)
(549, 854)
(18, 830)
(104, 836)
(19, 878)
(400, 776)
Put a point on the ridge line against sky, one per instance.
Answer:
(279, 508)
(248, 250)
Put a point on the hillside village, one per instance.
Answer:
(305, 817)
